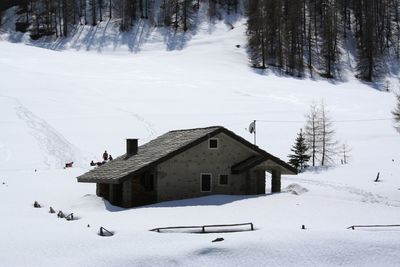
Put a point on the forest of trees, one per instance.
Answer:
(292, 37)
(307, 35)
(5, 4)
(59, 17)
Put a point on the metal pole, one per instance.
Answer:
(255, 130)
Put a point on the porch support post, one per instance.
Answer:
(276, 181)
(98, 190)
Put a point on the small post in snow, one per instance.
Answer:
(104, 232)
(36, 204)
(60, 214)
(377, 178)
(70, 217)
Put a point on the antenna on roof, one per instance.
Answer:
(252, 130)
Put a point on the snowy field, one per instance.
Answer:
(58, 107)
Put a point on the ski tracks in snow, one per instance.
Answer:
(149, 127)
(366, 196)
(58, 149)
(49, 140)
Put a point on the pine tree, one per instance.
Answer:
(396, 114)
(329, 46)
(93, 7)
(300, 157)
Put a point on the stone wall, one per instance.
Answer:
(135, 194)
(179, 177)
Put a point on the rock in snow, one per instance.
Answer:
(295, 189)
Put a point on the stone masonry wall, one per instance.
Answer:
(179, 177)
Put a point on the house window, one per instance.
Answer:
(205, 182)
(213, 143)
(223, 179)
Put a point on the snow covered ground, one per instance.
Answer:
(66, 106)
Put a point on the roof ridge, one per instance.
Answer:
(199, 128)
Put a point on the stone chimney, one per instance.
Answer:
(131, 147)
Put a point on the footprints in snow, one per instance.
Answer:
(49, 140)
(56, 146)
(149, 127)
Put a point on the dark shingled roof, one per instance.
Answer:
(161, 149)
(148, 153)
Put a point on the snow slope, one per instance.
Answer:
(66, 106)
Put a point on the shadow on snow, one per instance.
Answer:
(215, 200)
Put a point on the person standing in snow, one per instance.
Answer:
(105, 155)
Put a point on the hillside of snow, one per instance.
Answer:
(58, 107)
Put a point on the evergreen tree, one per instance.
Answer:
(300, 157)
(329, 32)
(93, 7)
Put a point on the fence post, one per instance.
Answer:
(252, 228)
(203, 229)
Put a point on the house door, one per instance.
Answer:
(205, 182)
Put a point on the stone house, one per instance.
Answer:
(185, 164)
